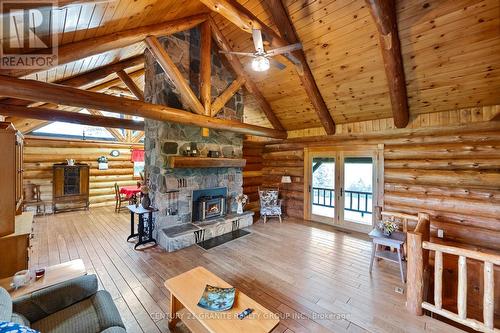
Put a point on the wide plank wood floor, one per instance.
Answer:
(315, 277)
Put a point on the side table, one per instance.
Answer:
(144, 230)
(53, 275)
(395, 240)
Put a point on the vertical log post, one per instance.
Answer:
(488, 298)
(206, 72)
(438, 279)
(462, 287)
(418, 260)
(378, 214)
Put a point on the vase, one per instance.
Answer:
(145, 201)
(239, 210)
(387, 233)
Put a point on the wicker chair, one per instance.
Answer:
(270, 204)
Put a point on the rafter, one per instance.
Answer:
(384, 15)
(53, 93)
(94, 119)
(249, 84)
(226, 95)
(287, 31)
(113, 131)
(127, 80)
(97, 45)
(168, 66)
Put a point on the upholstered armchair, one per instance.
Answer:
(270, 204)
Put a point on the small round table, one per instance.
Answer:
(130, 192)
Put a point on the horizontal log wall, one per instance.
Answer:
(451, 172)
(252, 174)
(41, 153)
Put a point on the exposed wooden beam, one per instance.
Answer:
(113, 131)
(206, 71)
(230, 12)
(287, 31)
(226, 95)
(69, 117)
(53, 93)
(89, 47)
(137, 137)
(134, 89)
(249, 84)
(168, 66)
(384, 15)
(88, 79)
(237, 14)
(120, 91)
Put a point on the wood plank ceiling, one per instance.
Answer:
(450, 53)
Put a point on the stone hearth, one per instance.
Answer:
(171, 189)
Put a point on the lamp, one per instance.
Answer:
(260, 64)
(286, 179)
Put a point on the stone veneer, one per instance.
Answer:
(167, 139)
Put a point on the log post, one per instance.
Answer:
(489, 295)
(378, 214)
(462, 287)
(415, 274)
(418, 260)
(206, 72)
(438, 279)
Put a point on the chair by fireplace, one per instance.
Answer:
(209, 204)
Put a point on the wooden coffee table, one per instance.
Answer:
(53, 275)
(185, 292)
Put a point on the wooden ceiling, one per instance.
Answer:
(450, 53)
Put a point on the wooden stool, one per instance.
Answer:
(395, 240)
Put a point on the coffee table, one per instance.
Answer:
(185, 292)
(53, 275)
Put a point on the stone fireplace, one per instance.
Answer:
(177, 192)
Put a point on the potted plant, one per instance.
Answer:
(387, 227)
(102, 163)
(145, 200)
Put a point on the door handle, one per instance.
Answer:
(341, 191)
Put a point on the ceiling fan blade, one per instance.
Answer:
(278, 64)
(257, 40)
(246, 54)
(284, 49)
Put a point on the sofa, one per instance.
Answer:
(72, 306)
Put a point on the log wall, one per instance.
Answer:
(41, 153)
(451, 172)
(252, 174)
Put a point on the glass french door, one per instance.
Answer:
(322, 187)
(341, 187)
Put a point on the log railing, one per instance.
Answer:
(489, 260)
(419, 246)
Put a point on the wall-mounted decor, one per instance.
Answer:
(102, 163)
(115, 153)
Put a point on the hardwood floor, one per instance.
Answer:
(315, 277)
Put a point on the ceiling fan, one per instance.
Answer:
(261, 58)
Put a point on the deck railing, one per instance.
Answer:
(325, 197)
(418, 255)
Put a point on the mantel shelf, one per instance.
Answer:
(176, 162)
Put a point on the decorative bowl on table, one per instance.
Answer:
(217, 299)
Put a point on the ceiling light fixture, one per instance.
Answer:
(260, 64)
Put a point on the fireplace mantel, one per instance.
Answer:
(177, 162)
